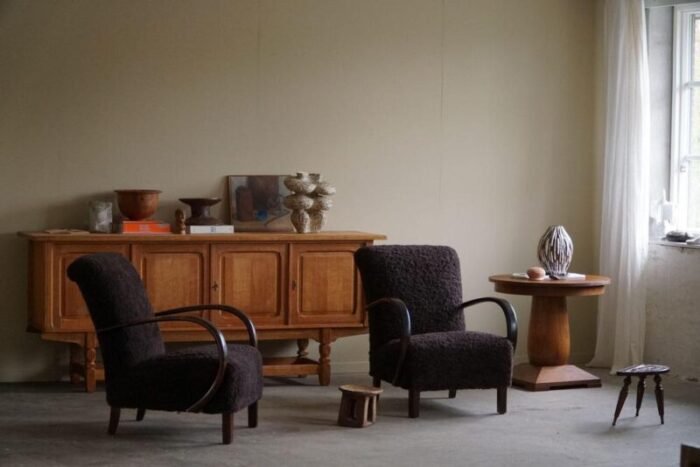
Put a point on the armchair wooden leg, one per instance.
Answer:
(377, 382)
(113, 420)
(140, 413)
(502, 399)
(227, 427)
(453, 393)
(253, 415)
(413, 403)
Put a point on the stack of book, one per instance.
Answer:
(143, 227)
(209, 229)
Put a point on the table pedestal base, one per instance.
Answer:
(543, 378)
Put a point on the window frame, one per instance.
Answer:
(683, 85)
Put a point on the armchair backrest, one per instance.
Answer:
(115, 295)
(427, 279)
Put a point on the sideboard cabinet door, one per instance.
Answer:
(324, 284)
(252, 278)
(175, 275)
(68, 308)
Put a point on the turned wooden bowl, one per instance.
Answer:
(137, 205)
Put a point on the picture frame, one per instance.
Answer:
(256, 203)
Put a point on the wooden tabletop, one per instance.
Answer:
(591, 285)
(330, 235)
(357, 389)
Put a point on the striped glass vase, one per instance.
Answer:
(555, 250)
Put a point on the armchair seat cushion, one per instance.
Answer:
(447, 360)
(175, 380)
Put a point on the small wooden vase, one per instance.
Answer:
(200, 208)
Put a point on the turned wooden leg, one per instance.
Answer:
(452, 394)
(502, 399)
(302, 351)
(302, 346)
(548, 337)
(659, 391)
(90, 356)
(413, 403)
(622, 397)
(76, 363)
(140, 413)
(640, 392)
(324, 350)
(253, 415)
(113, 420)
(227, 427)
(377, 382)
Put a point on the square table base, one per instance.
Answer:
(544, 378)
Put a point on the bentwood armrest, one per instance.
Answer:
(508, 311)
(218, 340)
(250, 327)
(405, 338)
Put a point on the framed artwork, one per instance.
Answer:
(256, 203)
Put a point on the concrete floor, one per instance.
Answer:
(56, 424)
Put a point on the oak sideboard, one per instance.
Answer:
(293, 286)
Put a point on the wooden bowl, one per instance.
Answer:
(137, 205)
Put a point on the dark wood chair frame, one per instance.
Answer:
(222, 349)
(405, 342)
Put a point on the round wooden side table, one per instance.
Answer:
(548, 344)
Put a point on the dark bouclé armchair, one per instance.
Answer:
(140, 374)
(417, 334)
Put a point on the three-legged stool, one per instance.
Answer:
(358, 407)
(642, 371)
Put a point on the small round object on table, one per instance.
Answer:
(536, 273)
(642, 371)
(358, 406)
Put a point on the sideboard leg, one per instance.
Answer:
(75, 366)
(302, 346)
(324, 350)
(90, 356)
(302, 352)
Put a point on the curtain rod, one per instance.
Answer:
(657, 3)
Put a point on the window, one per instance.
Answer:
(685, 151)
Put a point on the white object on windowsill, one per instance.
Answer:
(571, 276)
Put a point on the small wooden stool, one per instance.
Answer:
(642, 371)
(358, 407)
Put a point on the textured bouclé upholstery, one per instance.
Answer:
(426, 278)
(176, 380)
(139, 373)
(447, 360)
(115, 295)
(441, 353)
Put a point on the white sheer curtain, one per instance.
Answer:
(625, 210)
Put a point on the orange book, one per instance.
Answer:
(144, 227)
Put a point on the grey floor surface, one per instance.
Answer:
(56, 424)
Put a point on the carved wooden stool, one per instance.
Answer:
(358, 407)
(642, 371)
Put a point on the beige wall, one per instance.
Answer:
(468, 123)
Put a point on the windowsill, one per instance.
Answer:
(673, 244)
